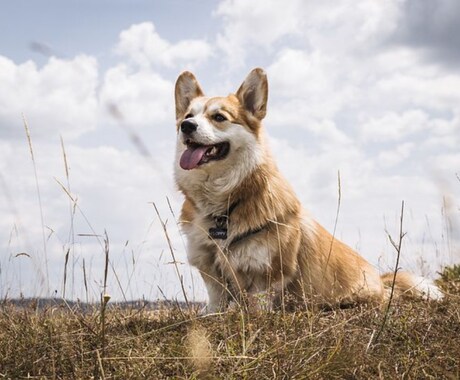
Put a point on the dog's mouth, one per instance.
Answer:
(199, 154)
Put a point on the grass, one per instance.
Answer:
(420, 340)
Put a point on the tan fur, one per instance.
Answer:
(293, 256)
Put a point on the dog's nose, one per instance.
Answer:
(188, 126)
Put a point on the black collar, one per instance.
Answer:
(247, 234)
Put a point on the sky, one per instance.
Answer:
(363, 114)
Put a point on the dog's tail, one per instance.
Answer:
(408, 285)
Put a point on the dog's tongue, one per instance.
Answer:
(192, 156)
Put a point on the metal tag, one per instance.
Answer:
(218, 233)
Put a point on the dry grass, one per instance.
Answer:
(420, 340)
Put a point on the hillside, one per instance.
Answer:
(420, 339)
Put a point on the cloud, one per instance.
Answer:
(142, 45)
(59, 97)
(142, 97)
(70, 97)
(370, 200)
(431, 134)
(308, 86)
(423, 86)
(336, 27)
(447, 161)
(113, 189)
(253, 24)
(112, 184)
(396, 156)
(393, 126)
(433, 27)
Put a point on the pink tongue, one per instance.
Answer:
(192, 156)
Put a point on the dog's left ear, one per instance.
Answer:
(253, 93)
(187, 89)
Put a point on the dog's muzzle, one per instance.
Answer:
(188, 126)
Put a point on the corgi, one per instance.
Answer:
(246, 230)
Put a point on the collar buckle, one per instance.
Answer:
(221, 221)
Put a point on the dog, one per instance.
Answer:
(247, 232)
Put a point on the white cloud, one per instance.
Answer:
(69, 97)
(143, 98)
(370, 202)
(113, 186)
(349, 28)
(422, 86)
(143, 45)
(336, 27)
(113, 189)
(308, 86)
(393, 126)
(58, 98)
(390, 158)
(432, 134)
(300, 73)
(256, 23)
(447, 162)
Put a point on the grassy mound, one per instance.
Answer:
(420, 339)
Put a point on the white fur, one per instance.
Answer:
(251, 257)
(428, 289)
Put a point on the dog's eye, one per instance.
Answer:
(188, 116)
(219, 117)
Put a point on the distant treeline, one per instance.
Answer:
(46, 303)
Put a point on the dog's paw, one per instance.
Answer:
(262, 301)
(209, 309)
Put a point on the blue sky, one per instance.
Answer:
(368, 89)
(90, 27)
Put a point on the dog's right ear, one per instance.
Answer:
(187, 89)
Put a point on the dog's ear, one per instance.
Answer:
(253, 93)
(187, 89)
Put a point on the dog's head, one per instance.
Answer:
(217, 133)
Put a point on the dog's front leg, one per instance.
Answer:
(218, 293)
(253, 293)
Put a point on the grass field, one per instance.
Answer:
(419, 340)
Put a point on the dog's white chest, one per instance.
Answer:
(249, 256)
